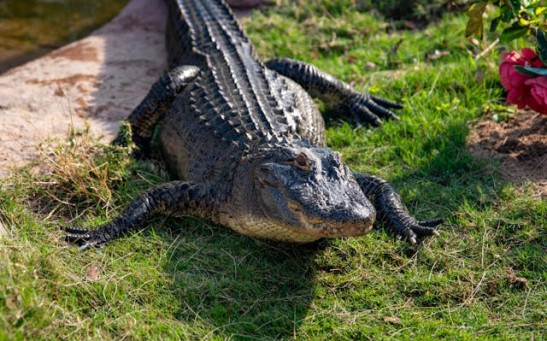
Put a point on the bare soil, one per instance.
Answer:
(519, 143)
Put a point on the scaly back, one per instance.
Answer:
(205, 33)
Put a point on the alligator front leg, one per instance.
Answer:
(173, 197)
(156, 103)
(391, 210)
(361, 106)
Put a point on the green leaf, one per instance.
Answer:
(516, 5)
(474, 24)
(532, 71)
(494, 24)
(513, 32)
(542, 46)
(506, 14)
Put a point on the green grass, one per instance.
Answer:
(484, 277)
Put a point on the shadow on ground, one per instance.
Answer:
(453, 176)
(240, 286)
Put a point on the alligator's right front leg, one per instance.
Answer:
(173, 197)
(361, 106)
(391, 210)
(156, 103)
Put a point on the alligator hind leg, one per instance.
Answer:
(361, 106)
(391, 210)
(156, 103)
(173, 197)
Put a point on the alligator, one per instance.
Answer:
(249, 142)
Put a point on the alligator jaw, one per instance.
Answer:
(348, 230)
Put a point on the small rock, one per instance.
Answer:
(370, 65)
(93, 273)
(392, 319)
(436, 55)
(411, 25)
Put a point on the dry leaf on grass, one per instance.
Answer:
(392, 319)
(519, 282)
(93, 273)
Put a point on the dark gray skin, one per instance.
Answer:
(249, 142)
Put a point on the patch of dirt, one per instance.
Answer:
(83, 52)
(520, 144)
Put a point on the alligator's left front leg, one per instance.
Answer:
(156, 103)
(178, 197)
(361, 106)
(391, 210)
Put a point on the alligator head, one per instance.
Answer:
(310, 190)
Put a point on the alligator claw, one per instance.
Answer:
(380, 111)
(413, 229)
(83, 247)
(82, 237)
(431, 223)
(371, 109)
(386, 103)
(361, 113)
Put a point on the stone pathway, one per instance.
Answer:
(96, 81)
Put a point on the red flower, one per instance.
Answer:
(517, 84)
(538, 91)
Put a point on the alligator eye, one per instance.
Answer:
(301, 161)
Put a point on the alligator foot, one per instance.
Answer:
(84, 238)
(154, 106)
(370, 109)
(408, 227)
(391, 210)
(362, 107)
(175, 196)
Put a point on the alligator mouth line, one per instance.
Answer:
(341, 229)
